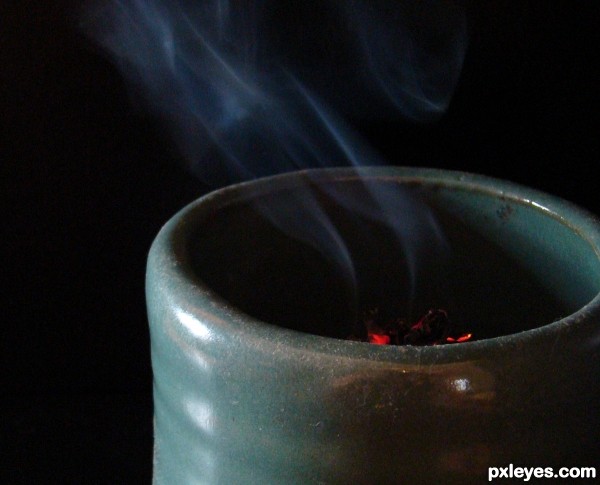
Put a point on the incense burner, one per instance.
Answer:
(255, 382)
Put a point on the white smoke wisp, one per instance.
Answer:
(231, 79)
(257, 87)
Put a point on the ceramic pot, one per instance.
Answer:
(252, 291)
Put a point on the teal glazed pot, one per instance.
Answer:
(250, 302)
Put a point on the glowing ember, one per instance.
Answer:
(379, 339)
(434, 328)
(462, 338)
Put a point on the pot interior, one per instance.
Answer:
(316, 257)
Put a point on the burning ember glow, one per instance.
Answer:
(434, 328)
(462, 338)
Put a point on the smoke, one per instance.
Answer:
(254, 87)
(257, 87)
(414, 51)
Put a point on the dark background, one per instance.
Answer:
(87, 181)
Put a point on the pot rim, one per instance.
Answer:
(168, 252)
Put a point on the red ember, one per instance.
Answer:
(462, 338)
(434, 328)
(379, 339)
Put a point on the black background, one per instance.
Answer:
(87, 181)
